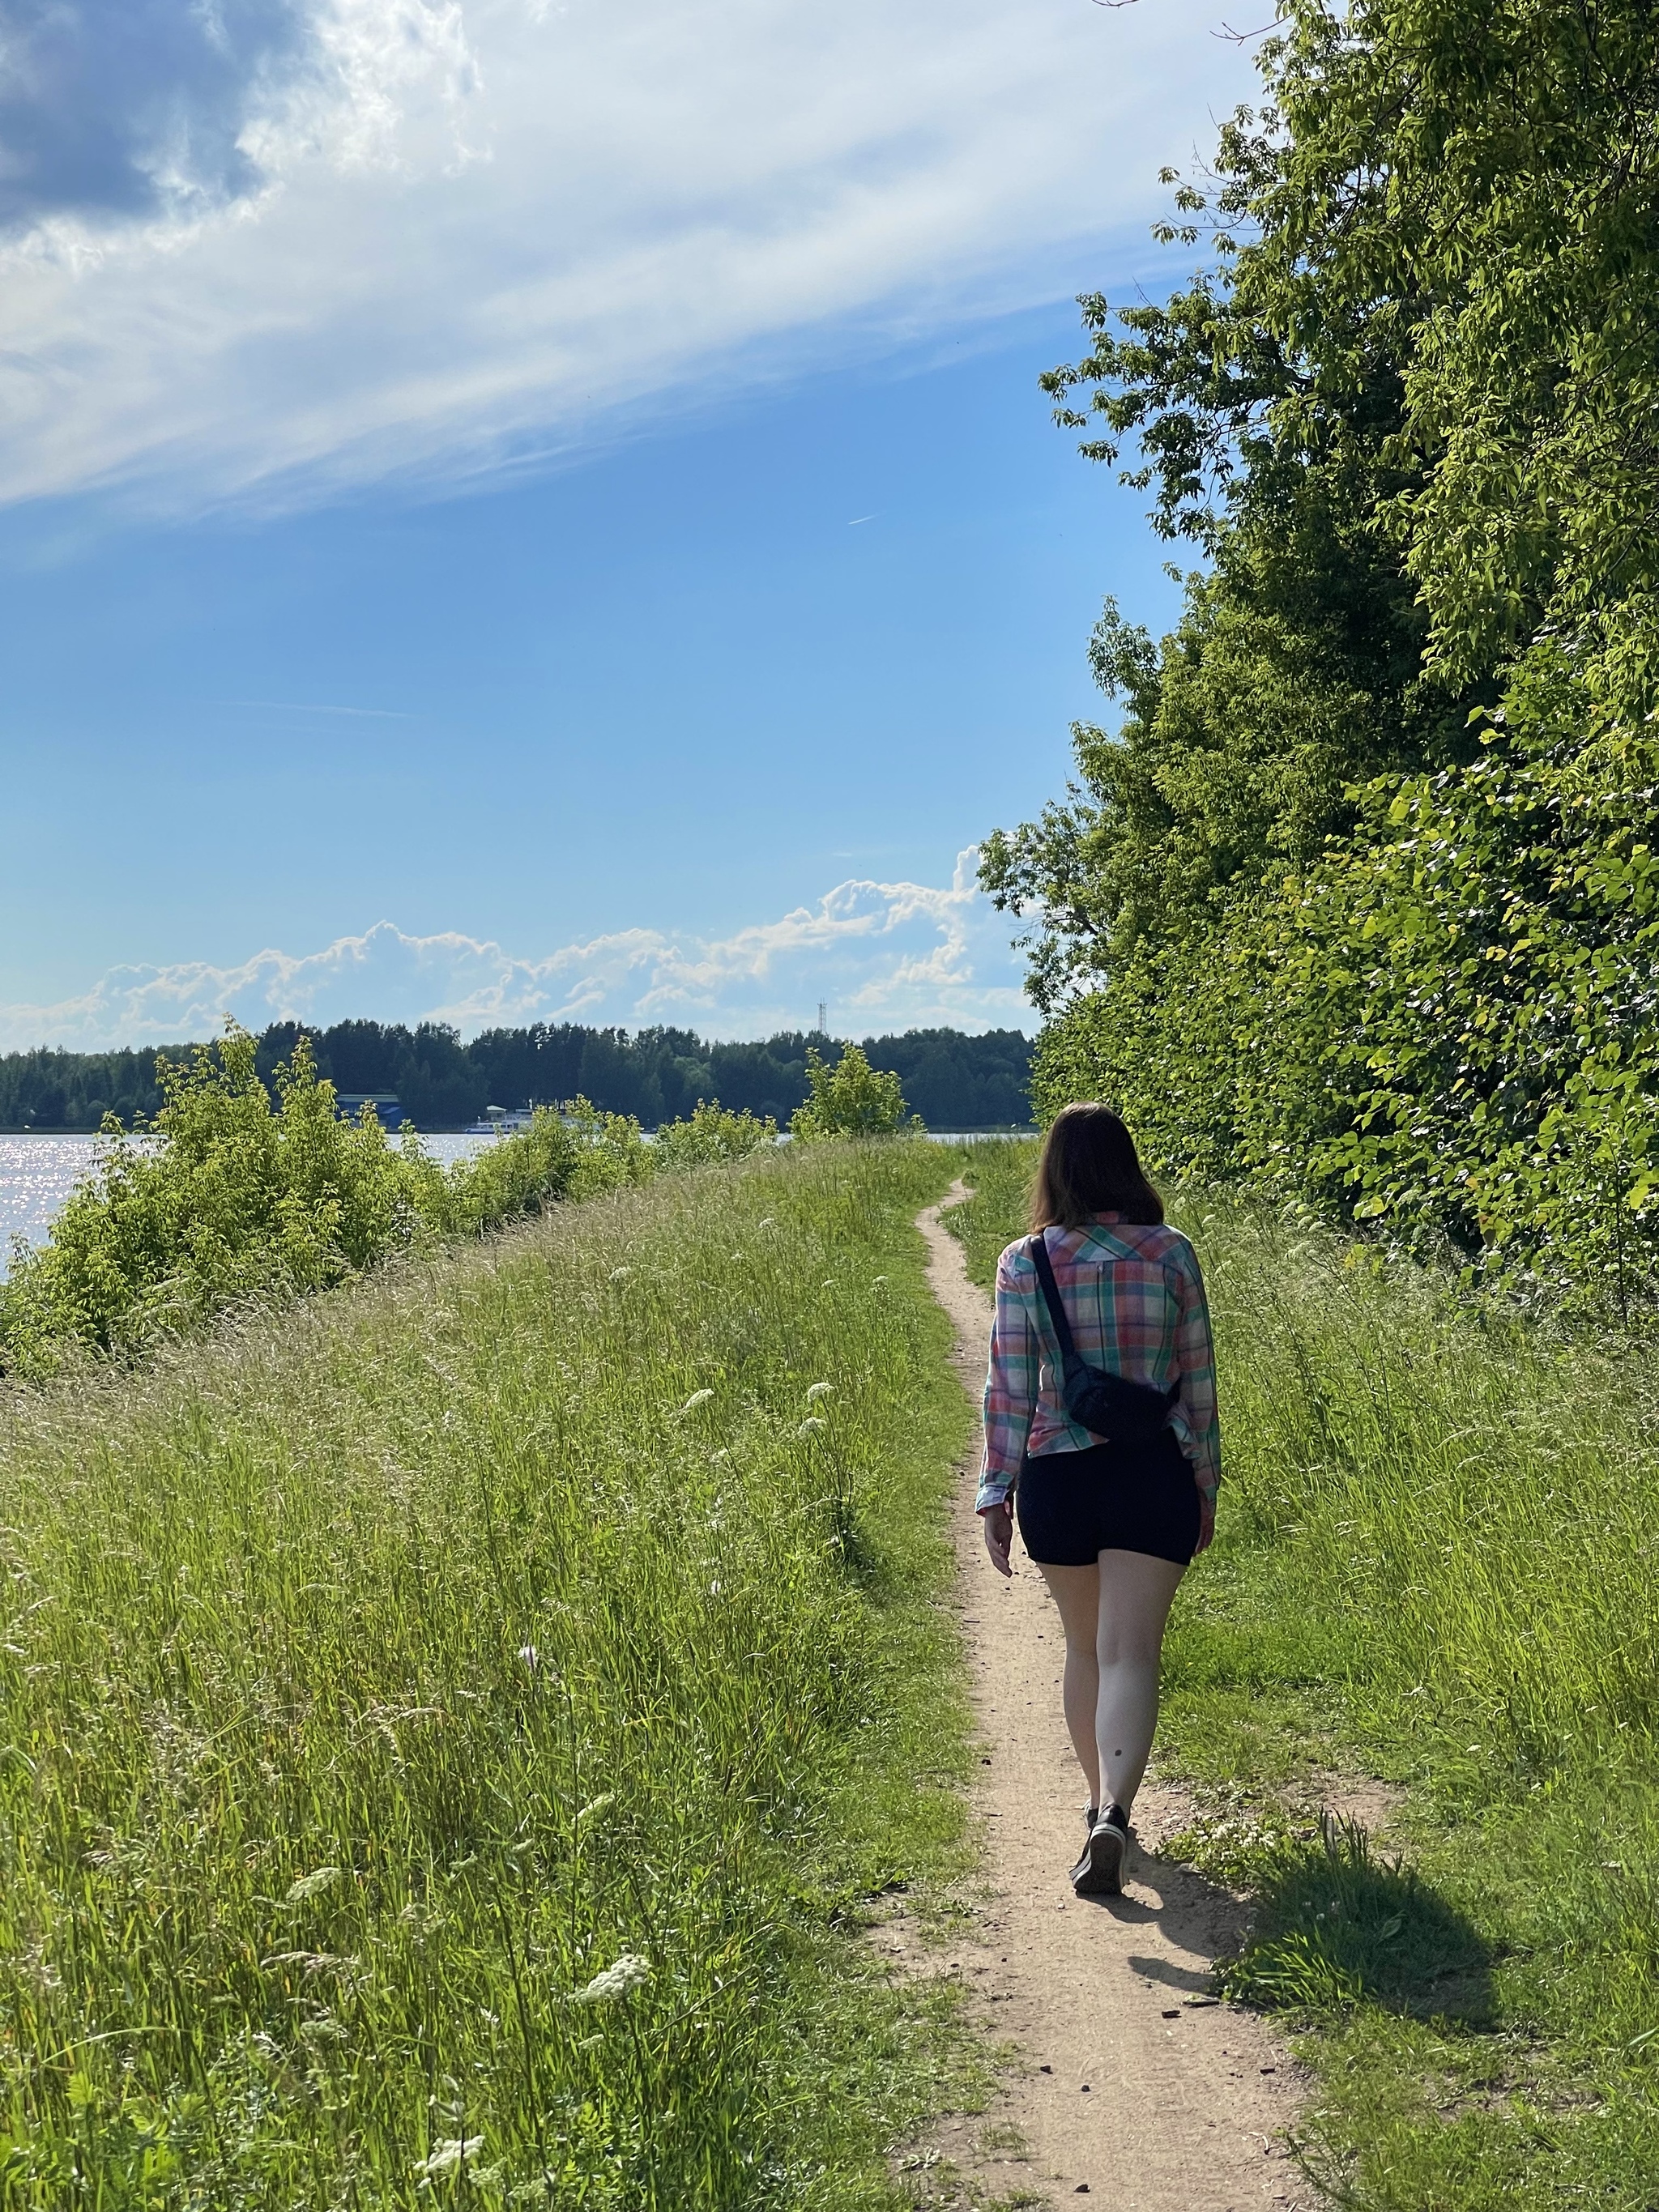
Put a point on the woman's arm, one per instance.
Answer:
(1195, 1350)
(1010, 1390)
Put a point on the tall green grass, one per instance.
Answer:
(443, 1726)
(1436, 1563)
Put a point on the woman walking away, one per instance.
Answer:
(1100, 1418)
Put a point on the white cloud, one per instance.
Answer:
(477, 232)
(885, 957)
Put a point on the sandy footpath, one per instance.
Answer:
(1131, 2082)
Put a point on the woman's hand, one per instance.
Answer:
(1205, 1524)
(998, 1522)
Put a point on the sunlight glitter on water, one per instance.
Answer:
(37, 1174)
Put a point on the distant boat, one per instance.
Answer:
(501, 1121)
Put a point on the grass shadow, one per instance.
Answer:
(1336, 1926)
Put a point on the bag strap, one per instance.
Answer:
(1038, 1248)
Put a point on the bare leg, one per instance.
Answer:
(1136, 1593)
(1076, 1591)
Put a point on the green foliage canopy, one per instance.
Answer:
(1360, 899)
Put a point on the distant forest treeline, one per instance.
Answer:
(951, 1079)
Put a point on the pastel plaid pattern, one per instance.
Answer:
(1134, 1297)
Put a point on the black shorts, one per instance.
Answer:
(1112, 1498)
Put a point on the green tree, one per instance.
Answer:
(1358, 898)
(224, 1196)
(850, 1099)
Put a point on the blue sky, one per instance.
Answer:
(590, 549)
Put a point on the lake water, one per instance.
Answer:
(37, 1174)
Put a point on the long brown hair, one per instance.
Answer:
(1090, 1165)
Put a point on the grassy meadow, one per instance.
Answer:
(449, 1727)
(1436, 1567)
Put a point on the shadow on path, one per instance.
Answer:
(1330, 1925)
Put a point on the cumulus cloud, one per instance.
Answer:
(882, 956)
(263, 250)
(120, 109)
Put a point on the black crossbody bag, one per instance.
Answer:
(1108, 1405)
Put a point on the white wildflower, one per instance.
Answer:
(811, 1426)
(616, 1981)
(714, 1588)
(698, 1398)
(313, 1884)
(531, 1657)
(819, 1390)
(444, 2157)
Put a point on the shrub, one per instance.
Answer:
(850, 1099)
(240, 1198)
(573, 1154)
(713, 1134)
(228, 1195)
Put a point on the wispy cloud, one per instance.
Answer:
(884, 956)
(265, 250)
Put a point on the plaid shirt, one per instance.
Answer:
(1135, 1300)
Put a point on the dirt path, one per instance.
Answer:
(1132, 2083)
